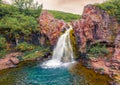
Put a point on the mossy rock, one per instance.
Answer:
(74, 44)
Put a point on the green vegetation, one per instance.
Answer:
(65, 16)
(97, 50)
(3, 43)
(38, 52)
(112, 7)
(3, 46)
(28, 7)
(18, 22)
(24, 47)
(74, 44)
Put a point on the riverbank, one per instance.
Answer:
(11, 60)
(104, 66)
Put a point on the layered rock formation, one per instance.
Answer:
(95, 26)
(50, 27)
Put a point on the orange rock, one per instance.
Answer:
(50, 26)
(9, 61)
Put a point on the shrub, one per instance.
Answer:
(97, 50)
(37, 52)
(3, 43)
(3, 53)
(112, 7)
(24, 47)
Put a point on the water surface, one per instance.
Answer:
(31, 73)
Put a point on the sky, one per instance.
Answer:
(71, 6)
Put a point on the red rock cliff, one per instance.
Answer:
(50, 26)
(95, 26)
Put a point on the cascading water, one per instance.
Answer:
(62, 53)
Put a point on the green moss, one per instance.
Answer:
(74, 45)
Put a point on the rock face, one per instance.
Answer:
(9, 61)
(95, 26)
(50, 27)
(116, 56)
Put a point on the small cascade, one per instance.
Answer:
(62, 53)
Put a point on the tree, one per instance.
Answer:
(28, 7)
(8, 10)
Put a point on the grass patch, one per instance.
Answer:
(65, 16)
(39, 51)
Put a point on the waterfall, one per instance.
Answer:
(62, 53)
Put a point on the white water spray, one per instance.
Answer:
(63, 53)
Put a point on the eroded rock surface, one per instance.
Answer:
(50, 26)
(95, 26)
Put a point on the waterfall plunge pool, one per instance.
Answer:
(31, 73)
(58, 71)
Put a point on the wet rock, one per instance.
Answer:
(47, 56)
(51, 27)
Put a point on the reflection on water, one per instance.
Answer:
(30, 73)
(89, 76)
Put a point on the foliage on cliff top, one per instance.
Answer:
(112, 7)
(65, 16)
